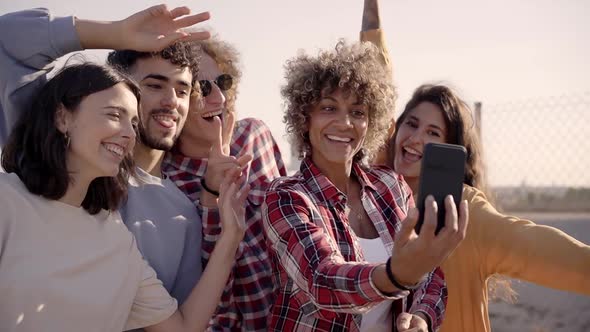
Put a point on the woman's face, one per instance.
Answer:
(101, 131)
(337, 128)
(423, 124)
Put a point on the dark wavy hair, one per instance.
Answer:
(36, 150)
(181, 54)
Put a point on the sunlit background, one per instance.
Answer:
(525, 61)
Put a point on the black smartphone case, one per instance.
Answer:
(441, 174)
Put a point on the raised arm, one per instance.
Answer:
(372, 32)
(195, 313)
(521, 249)
(31, 41)
(151, 29)
(299, 238)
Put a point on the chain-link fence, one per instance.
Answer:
(538, 152)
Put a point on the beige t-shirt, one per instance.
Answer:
(62, 269)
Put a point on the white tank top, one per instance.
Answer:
(378, 319)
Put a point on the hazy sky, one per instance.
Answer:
(496, 52)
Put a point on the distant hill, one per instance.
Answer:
(542, 199)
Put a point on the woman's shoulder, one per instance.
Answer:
(286, 183)
(11, 185)
(384, 174)
(291, 189)
(472, 194)
(386, 179)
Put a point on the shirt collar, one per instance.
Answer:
(178, 161)
(323, 189)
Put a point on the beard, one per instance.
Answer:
(152, 140)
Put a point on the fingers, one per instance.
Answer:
(196, 36)
(217, 145)
(451, 224)
(156, 10)
(180, 11)
(233, 194)
(404, 234)
(244, 160)
(430, 218)
(403, 321)
(227, 180)
(187, 21)
(228, 130)
(463, 218)
(171, 38)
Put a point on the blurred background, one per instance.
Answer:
(525, 64)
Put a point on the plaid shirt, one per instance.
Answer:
(249, 294)
(322, 286)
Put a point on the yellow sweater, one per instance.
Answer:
(506, 245)
(513, 247)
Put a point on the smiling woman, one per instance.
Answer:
(331, 228)
(67, 261)
(73, 144)
(495, 244)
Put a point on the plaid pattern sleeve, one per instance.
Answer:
(252, 136)
(324, 282)
(312, 259)
(249, 294)
(431, 298)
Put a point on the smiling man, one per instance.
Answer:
(212, 142)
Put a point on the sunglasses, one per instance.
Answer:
(224, 82)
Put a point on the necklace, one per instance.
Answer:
(358, 214)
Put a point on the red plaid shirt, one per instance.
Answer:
(322, 286)
(249, 294)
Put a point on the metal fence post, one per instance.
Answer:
(477, 118)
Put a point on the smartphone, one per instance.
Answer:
(441, 174)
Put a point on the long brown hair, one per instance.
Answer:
(462, 131)
(460, 126)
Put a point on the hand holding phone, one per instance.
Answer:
(441, 174)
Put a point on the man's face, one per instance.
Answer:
(204, 108)
(165, 92)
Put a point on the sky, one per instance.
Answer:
(501, 53)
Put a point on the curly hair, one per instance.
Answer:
(179, 54)
(227, 58)
(353, 68)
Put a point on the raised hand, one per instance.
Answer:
(232, 202)
(371, 18)
(407, 322)
(220, 162)
(155, 28)
(149, 30)
(416, 255)
(229, 121)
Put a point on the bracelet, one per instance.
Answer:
(394, 281)
(207, 189)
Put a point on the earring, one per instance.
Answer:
(67, 140)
